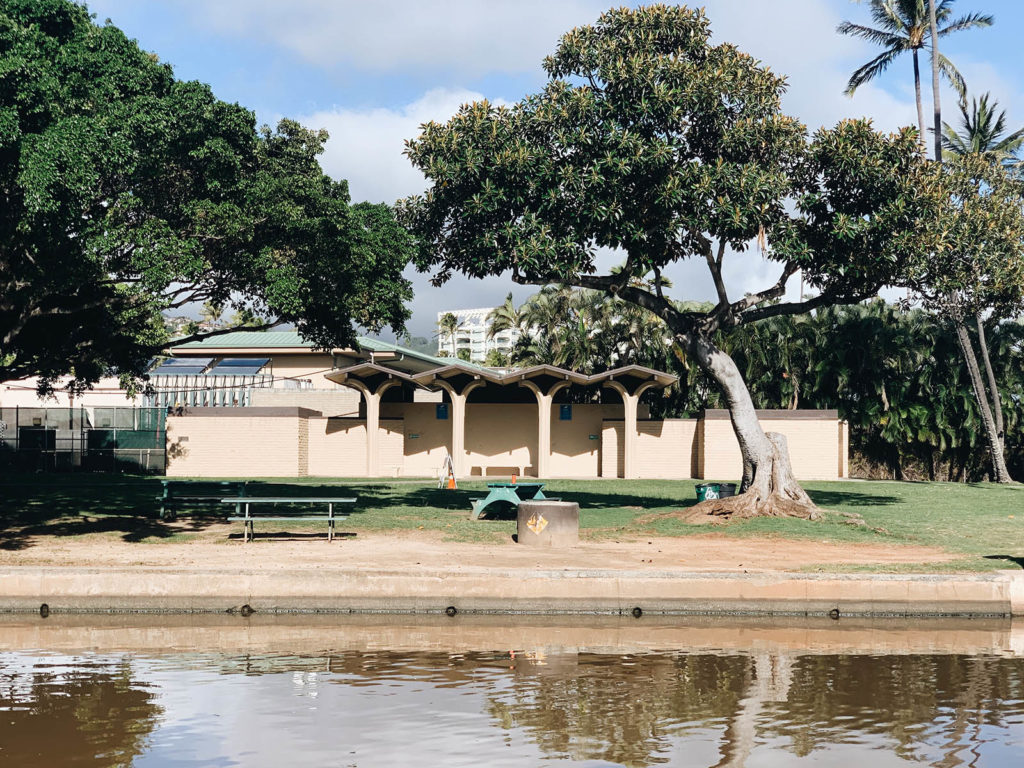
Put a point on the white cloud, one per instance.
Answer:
(470, 37)
(366, 145)
(798, 39)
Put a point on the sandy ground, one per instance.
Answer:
(222, 548)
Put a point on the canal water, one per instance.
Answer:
(393, 691)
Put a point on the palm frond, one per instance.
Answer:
(952, 74)
(970, 21)
(871, 70)
(876, 36)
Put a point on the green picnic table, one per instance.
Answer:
(511, 493)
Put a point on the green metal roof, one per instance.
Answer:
(267, 339)
(292, 340)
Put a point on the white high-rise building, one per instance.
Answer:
(472, 335)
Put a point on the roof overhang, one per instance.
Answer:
(368, 376)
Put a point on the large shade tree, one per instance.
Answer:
(652, 141)
(125, 192)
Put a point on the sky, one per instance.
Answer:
(372, 71)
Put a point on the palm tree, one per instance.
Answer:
(901, 26)
(504, 318)
(983, 132)
(448, 326)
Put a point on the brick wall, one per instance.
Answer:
(817, 445)
(236, 442)
(665, 449)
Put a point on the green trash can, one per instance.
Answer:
(707, 491)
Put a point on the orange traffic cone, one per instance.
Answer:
(451, 482)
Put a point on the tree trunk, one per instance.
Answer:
(936, 101)
(768, 487)
(999, 472)
(920, 105)
(993, 388)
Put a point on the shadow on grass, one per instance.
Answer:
(1018, 561)
(849, 499)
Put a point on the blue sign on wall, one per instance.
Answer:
(565, 412)
(442, 410)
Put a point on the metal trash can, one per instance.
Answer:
(707, 491)
(725, 490)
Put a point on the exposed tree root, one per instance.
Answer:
(770, 491)
(749, 504)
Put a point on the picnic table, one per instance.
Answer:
(511, 493)
(250, 516)
(189, 492)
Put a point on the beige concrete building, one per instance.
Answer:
(386, 411)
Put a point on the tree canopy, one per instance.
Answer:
(127, 192)
(652, 141)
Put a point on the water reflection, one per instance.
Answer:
(87, 712)
(764, 706)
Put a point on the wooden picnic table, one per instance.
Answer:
(250, 517)
(511, 493)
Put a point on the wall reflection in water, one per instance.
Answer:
(379, 708)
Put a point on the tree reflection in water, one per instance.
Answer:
(73, 712)
(629, 709)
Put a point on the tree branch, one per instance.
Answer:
(774, 292)
(800, 307)
(715, 265)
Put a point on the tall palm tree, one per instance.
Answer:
(983, 132)
(902, 26)
(448, 326)
(504, 318)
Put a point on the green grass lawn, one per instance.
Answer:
(984, 523)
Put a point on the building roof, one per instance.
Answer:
(248, 339)
(257, 342)
(375, 358)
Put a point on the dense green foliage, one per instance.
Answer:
(126, 192)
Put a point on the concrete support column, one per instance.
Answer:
(629, 436)
(458, 418)
(543, 434)
(544, 401)
(458, 433)
(372, 433)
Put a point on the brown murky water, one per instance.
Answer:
(381, 692)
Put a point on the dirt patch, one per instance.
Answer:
(220, 547)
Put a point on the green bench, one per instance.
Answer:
(251, 511)
(177, 493)
(510, 493)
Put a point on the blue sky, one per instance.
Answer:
(370, 71)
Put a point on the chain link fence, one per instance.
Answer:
(113, 439)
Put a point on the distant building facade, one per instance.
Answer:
(472, 335)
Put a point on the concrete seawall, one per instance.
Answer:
(482, 590)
